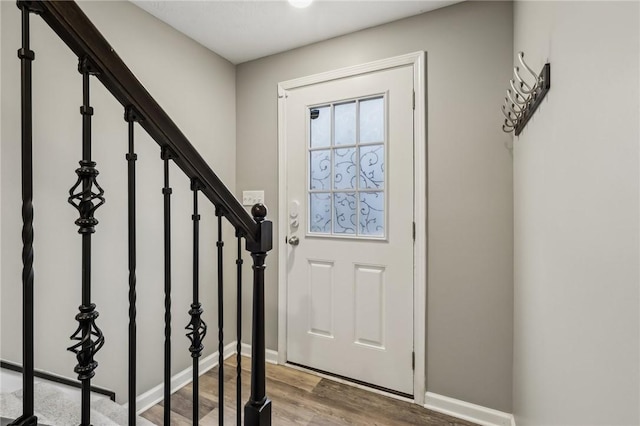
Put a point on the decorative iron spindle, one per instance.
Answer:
(131, 116)
(89, 338)
(257, 411)
(220, 245)
(239, 262)
(197, 327)
(27, 56)
(166, 156)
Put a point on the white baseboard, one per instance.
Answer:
(271, 356)
(180, 380)
(466, 411)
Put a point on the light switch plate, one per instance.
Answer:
(249, 198)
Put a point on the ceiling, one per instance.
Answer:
(243, 30)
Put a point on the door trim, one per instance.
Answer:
(418, 61)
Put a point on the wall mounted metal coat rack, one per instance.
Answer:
(523, 98)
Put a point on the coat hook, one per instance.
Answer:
(509, 97)
(522, 98)
(512, 120)
(516, 109)
(525, 88)
(507, 128)
(524, 64)
(518, 93)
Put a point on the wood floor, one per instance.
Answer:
(298, 398)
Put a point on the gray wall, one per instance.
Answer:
(197, 89)
(470, 242)
(576, 218)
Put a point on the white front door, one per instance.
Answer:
(349, 178)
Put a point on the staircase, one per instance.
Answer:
(98, 62)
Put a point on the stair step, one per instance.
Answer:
(10, 405)
(55, 407)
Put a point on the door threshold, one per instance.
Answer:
(353, 382)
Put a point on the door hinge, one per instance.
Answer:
(414, 232)
(414, 100)
(413, 360)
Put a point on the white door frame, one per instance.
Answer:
(418, 61)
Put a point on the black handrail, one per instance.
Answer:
(83, 38)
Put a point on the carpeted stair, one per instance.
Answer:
(56, 408)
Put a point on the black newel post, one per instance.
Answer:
(257, 411)
(86, 196)
(27, 56)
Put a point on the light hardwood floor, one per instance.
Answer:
(298, 398)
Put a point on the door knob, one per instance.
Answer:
(294, 241)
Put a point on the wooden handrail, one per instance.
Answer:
(83, 38)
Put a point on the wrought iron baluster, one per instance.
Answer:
(257, 411)
(239, 263)
(220, 245)
(131, 116)
(166, 156)
(197, 327)
(27, 56)
(89, 338)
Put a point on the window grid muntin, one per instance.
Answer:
(357, 190)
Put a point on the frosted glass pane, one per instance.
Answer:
(372, 167)
(345, 123)
(320, 127)
(372, 120)
(344, 168)
(320, 167)
(372, 213)
(345, 213)
(320, 213)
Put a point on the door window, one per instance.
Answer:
(347, 150)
